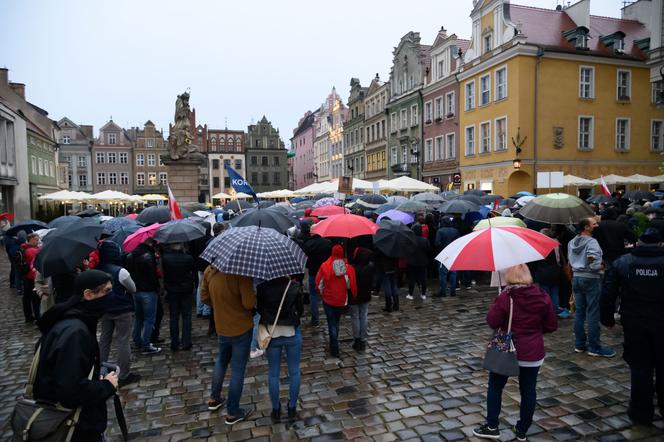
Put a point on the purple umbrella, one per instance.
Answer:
(397, 215)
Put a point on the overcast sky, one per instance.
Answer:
(90, 60)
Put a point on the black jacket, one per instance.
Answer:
(268, 297)
(142, 266)
(317, 249)
(611, 236)
(421, 257)
(546, 271)
(637, 278)
(179, 270)
(110, 257)
(69, 350)
(364, 275)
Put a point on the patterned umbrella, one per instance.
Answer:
(556, 208)
(327, 201)
(256, 252)
(371, 201)
(113, 225)
(396, 199)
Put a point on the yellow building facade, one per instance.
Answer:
(586, 111)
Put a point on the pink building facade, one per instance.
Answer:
(302, 143)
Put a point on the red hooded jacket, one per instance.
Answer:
(30, 254)
(334, 285)
(532, 317)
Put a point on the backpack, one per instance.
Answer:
(20, 262)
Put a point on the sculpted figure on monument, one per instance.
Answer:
(179, 140)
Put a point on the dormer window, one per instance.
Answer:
(615, 41)
(112, 139)
(578, 37)
(488, 43)
(582, 41)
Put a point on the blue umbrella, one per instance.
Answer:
(298, 199)
(397, 215)
(255, 251)
(122, 233)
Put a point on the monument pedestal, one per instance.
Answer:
(183, 175)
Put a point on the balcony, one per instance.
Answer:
(401, 169)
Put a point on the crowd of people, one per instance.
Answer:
(617, 254)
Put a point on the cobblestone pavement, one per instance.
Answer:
(420, 379)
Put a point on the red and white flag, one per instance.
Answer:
(604, 187)
(173, 206)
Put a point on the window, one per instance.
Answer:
(112, 158)
(657, 89)
(82, 162)
(101, 178)
(276, 161)
(124, 178)
(428, 150)
(450, 107)
(485, 90)
(404, 154)
(66, 139)
(586, 82)
(254, 161)
(152, 179)
(69, 180)
(82, 181)
(51, 169)
(40, 163)
(276, 178)
(215, 164)
(112, 138)
(440, 152)
(470, 95)
(470, 140)
(451, 149)
(427, 112)
(501, 133)
(395, 158)
(238, 164)
(488, 43)
(140, 179)
(622, 134)
(33, 163)
(414, 120)
(485, 137)
(215, 182)
(439, 108)
(265, 178)
(264, 161)
(66, 159)
(393, 122)
(124, 157)
(624, 85)
(404, 119)
(656, 140)
(100, 157)
(585, 133)
(113, 178)
(163, 178)
(149, 142)
(140, 159)
(501, 83)
(152, 160)
(227, 163)
(254, 177)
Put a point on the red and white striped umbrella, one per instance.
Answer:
(496, 248)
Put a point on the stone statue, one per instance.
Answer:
(179, 140)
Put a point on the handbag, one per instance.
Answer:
(264, 336)
(500, 357)
(40, 420)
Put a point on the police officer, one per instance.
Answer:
(637, 278)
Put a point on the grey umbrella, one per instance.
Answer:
(472, 198)
(428, 198)
(413, 207)
(179, 231)
(458, 206)
(154, 214)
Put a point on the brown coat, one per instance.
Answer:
(232, 298)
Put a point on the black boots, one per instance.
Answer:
(276, 415)
(395, 304)
(388, 305)
(359, 345)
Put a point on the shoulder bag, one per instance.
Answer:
(500, 357)
(264, 335)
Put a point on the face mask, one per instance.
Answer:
(97, 307)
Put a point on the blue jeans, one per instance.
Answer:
(293, 347)
(333, 315)
(145, 304)
(358, 316)
(254, 332)
(180, 307)
(390, 286)
(586, 293)
(313, 297)
(233, 350)
(553, 291)
(527, 387)
(201, 309)
(443, 274)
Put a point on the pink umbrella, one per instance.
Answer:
(345, 226)
(496, 248)
(139, 236)
(132, 216)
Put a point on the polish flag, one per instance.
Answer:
(604, 187)
(496, 203)
(173, 206)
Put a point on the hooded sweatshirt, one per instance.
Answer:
(120, 299)
(579, 250)
(335, 277)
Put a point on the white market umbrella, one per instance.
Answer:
(221, 195)
(571, 180)
(408, 184)
(642, 179)
(154, 197)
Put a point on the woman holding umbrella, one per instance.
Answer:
(335, 281)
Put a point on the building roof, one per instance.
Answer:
(545, 27)
(306, 123)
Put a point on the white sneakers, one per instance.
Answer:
(256, 353)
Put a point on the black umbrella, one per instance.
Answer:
(186, 213)
(638, 195)
(237, 204)
(264, 218)
(27, 226)
(154, 214)
(305, 204)
(475, 192)
(385, 207)
(122, 233)
(64, 248)
(299, 213)
(266, 204)
(113, 225)
(490, 199)
(458, 206)
(599, 199)
(371, 201)
(322, 195)
(472, 198)
(88, 213)
(284, 210)
(394, 239)
(62, 221)
(179, 231)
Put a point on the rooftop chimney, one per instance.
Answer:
(18, 88)
(4, 77)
